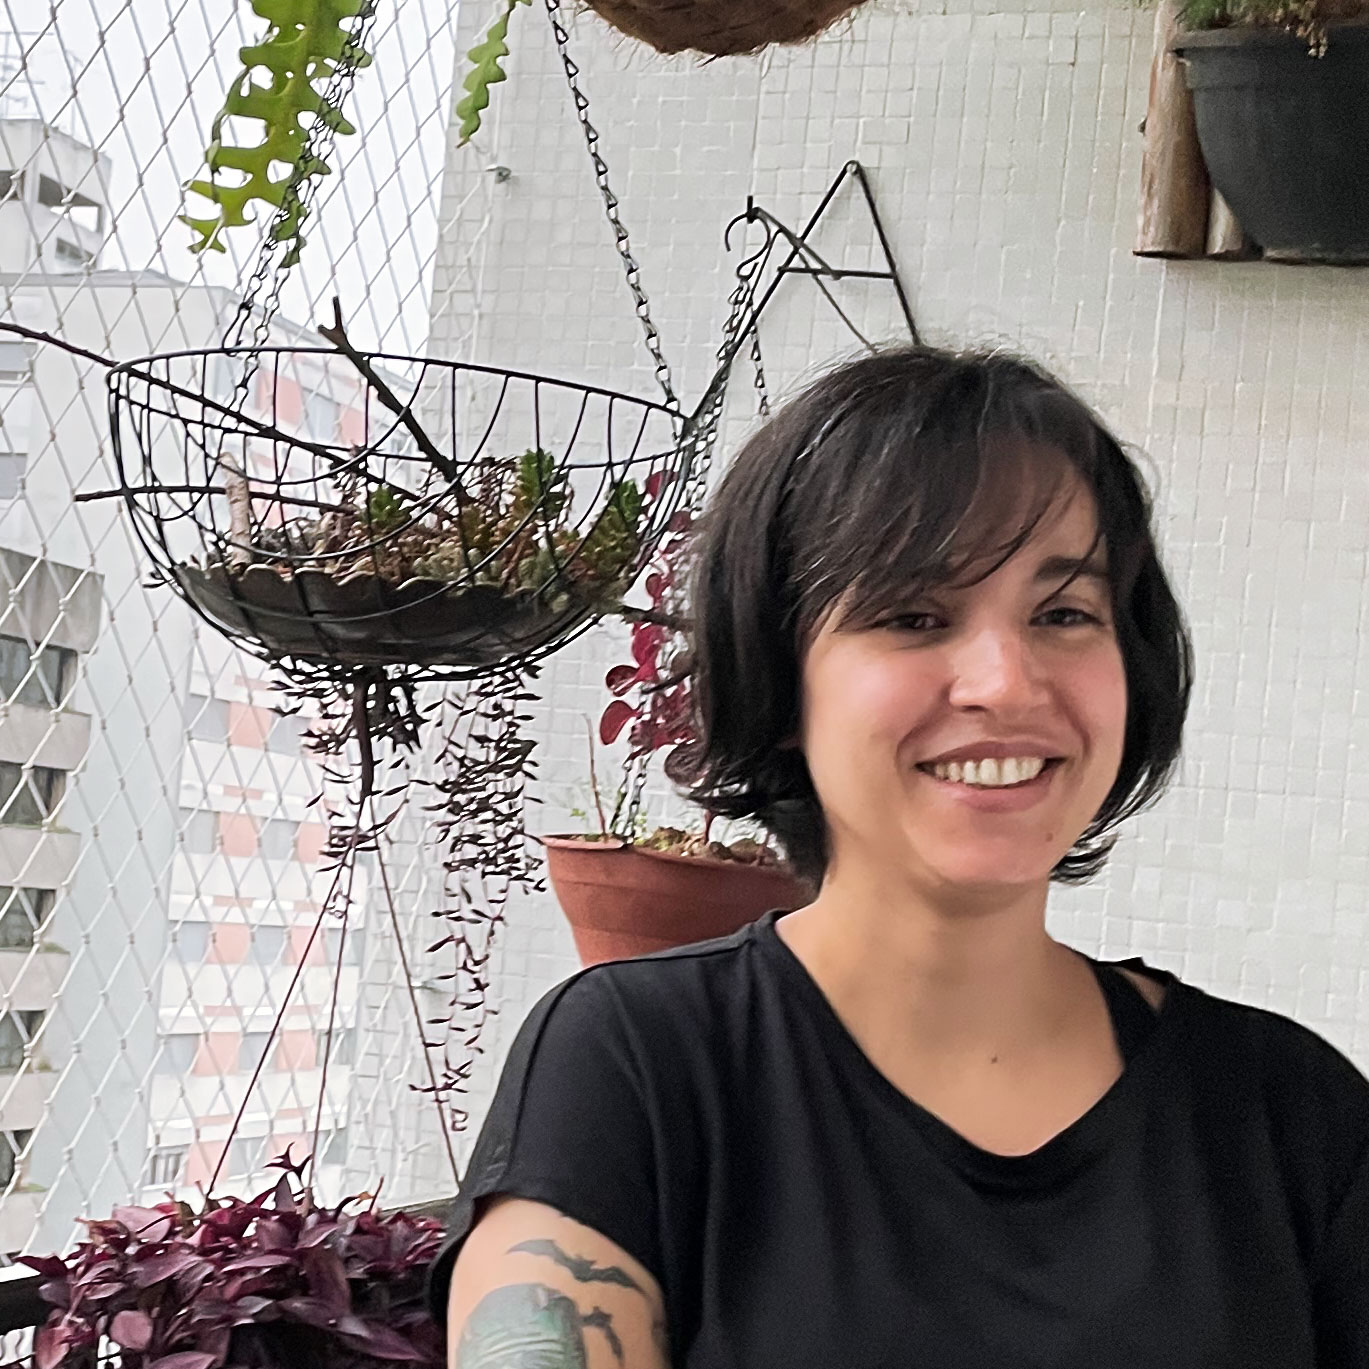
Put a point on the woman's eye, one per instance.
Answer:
(1067, 617)
(915, 622)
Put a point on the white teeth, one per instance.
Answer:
(990, 773)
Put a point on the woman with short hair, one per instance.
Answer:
(903, 1127)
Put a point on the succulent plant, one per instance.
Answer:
(519, 536)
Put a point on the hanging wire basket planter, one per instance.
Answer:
(721, 28)
(457, 520)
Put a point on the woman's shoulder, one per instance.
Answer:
(658, 999)
(1281, 1042)
(1304, 1082)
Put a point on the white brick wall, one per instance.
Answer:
(1004, 146)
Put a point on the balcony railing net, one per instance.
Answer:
(161, 847)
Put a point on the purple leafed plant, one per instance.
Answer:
(272, 1282)
(653, 696)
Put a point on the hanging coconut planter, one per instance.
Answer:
(1284, 130)
(474, 521)
(721, 28)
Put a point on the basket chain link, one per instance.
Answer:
(621, 240)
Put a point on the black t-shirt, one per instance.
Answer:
(706, 1109)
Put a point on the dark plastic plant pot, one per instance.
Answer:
(622, 901)
(1285, 134)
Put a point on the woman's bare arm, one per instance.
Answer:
(533, 1289)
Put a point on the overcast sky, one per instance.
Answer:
(142, 80)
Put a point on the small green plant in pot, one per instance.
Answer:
(627, 891)
(1281, 99)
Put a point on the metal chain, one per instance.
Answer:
(635, 780)
(700, 440)
(760, 382)
(621, 240)
(701, 435)
(701, 430)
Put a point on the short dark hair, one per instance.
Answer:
(887, 476)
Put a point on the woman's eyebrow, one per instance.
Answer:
(1071, 568)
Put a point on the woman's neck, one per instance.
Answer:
(957, 977)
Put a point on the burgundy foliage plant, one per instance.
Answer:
(272, 1282)
(653, 695)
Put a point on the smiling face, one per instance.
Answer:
(967, 738)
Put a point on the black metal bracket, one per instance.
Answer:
(805, 260)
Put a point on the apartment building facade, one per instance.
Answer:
(173, 986)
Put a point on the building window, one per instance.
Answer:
(12, 1145)
(166, 1166)
(178, 1053)
(17, 409)
(80, 209)
(190, 940)
(286, 735)
(68, 254)
(276, 839)
(28, 796)
(344, 1045)
(11, 185)
(22, 915)
(200, 830)
(36, 679)
(334, 1148)
(240, 1160)
(206, 719)
(268, 946)
(253, 1050)
(333, 941)
(17, 1030)
(322, 416)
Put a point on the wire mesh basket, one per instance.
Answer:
(350, 512)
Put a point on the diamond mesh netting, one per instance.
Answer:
(165, 878)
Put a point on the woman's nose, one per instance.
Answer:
(995, 668)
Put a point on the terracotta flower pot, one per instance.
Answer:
(721, 28)
(623, 901)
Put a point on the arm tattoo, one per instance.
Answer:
(601, 1321)
(583, 1271)
(530, 1326)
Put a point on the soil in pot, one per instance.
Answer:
(623, 900)
(1285, 134)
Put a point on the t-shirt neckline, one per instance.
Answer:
(1086, 1139)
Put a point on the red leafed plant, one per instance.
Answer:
(653, 699)
(272, 1282)
(661, 711)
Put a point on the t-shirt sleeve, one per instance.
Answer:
(568, 1127)
(1341, 1290)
